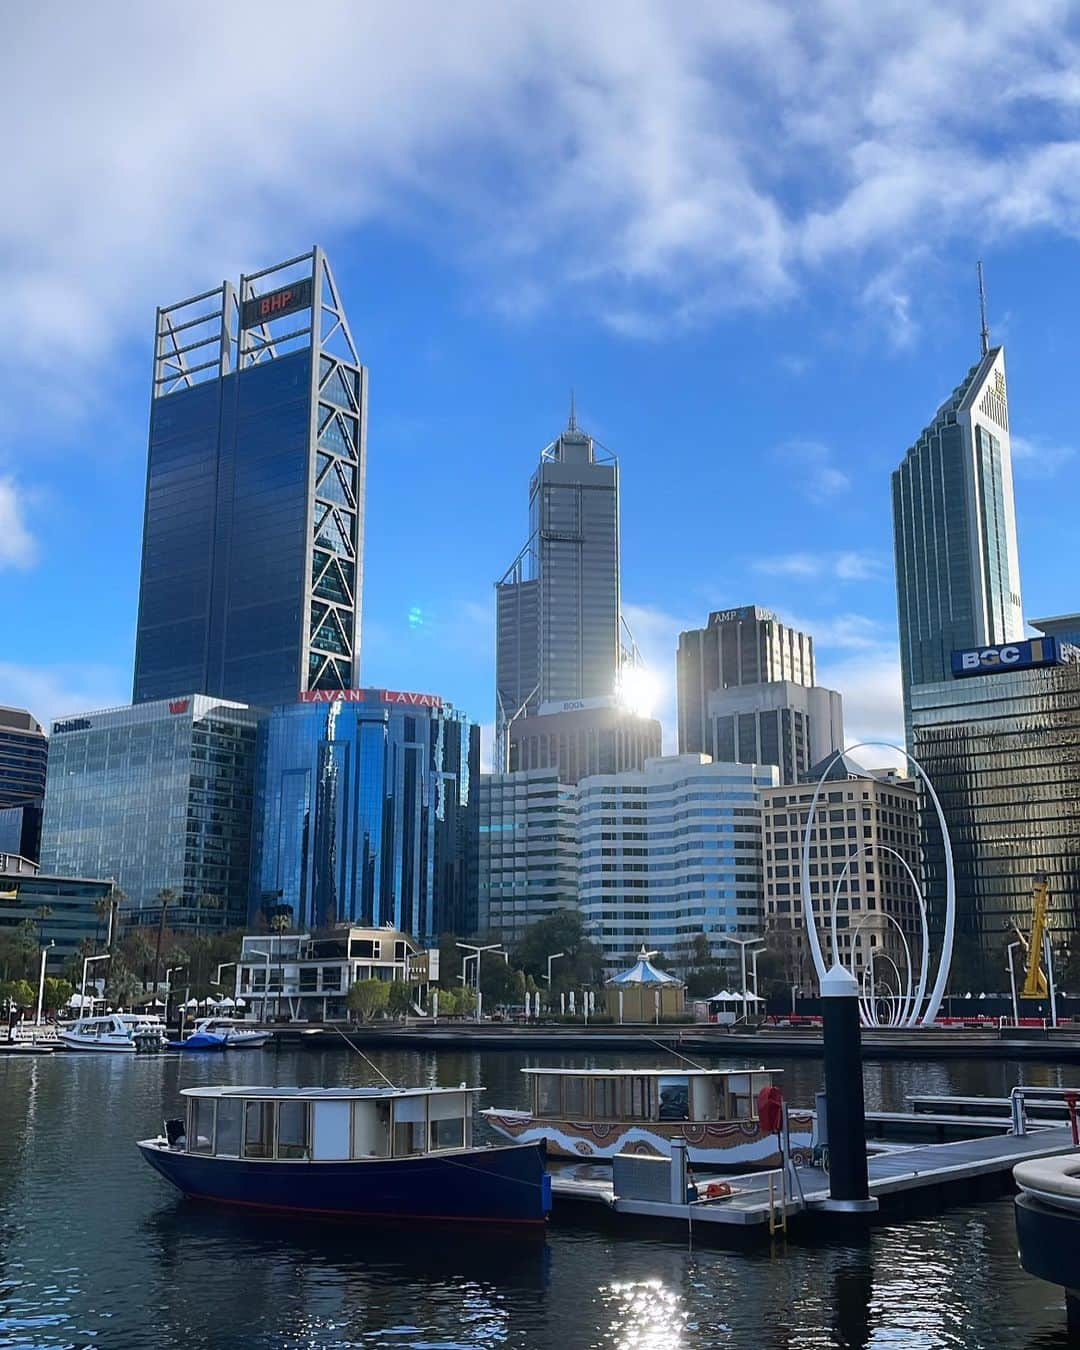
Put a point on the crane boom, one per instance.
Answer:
(1034, 979)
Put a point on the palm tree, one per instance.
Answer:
(117, 896)
(164, 897)
(102, 907)
(42, 913)
(280, 923)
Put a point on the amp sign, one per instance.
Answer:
(1044, 651)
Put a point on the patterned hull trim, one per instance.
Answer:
(727, 1144)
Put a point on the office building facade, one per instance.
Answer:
(558, 604)
(954, 531)
(24, 753)
(157, 796)
(863, 820)
(367, 812)
(779, 723)
(603, 738)
(737, 647)
(1003, 753)
(253, 537)
(64, 911)
(527, 851)
(672, 851)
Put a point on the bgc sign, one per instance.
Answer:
(1044, 651)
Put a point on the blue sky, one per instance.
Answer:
(746, 238)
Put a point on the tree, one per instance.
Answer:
(165, 897)
(399, 998)
(368, 997)
(123, 985)
(102, 907)
(19, 992)
(57, 993)
(582, 963)
(42, 913)
(116, 899)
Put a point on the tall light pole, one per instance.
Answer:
(168, 990)
(1012, 982)
(555, 956)
(742, 944)
(478, 952)
(82, 993)
(41, 982)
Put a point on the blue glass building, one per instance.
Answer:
(253, 535)
(366, 812)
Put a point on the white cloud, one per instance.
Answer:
(57, 690)
(17, 545)
(850, 566)
(811, 464)
(1036, 459)
(873, 701)
(682, 161)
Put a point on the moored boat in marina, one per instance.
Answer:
(237, 1034)
(360, 1154)
(593, 1114)
(119, 1033)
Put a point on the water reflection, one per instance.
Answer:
(96, 1250)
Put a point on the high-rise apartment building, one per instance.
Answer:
(366, 812)
(557, 605)
(157, 796)
(527, 851)
(1003, 752)
(747, 694)
(253, 538)
(672, 851)
(954, 531)
(865, 838)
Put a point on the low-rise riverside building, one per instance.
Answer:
(307, 976)
(65, 911)
(672, 851)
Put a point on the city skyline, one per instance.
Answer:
(760, 381)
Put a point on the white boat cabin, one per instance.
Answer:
(695, 1095)
(324, 1124)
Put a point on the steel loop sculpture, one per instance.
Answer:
(911, 1006)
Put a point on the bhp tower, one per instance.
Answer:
(253, 538)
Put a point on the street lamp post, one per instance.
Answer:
(1048, 957)
(41, 982)
(1012, 983)
(82, 992)
(168, 990)
(795, 991)
(555, 956)
(742, 944)
(478, 952)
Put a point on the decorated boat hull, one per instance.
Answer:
(724, 1145)
(503, 1185)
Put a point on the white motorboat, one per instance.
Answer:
(237, 1034)
(121, 1033)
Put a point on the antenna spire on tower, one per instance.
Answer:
(572, 424)
(984, 331)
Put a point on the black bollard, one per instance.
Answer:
(846, 1111)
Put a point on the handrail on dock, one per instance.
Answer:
(1020, 1094)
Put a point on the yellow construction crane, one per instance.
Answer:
(1034, 979)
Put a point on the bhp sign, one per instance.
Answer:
(276, 304)
(409, 700)
(1044, 651)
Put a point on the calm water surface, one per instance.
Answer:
(96, 1250)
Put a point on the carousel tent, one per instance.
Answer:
(644, 993)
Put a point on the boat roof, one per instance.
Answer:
(676, 1071)
(320, 1094)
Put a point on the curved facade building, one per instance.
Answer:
(365, 811)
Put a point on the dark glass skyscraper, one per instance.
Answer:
(366, 812)
(253, 537)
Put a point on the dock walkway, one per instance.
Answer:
(930, 1173)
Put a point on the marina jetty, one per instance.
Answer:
(1058, 1045)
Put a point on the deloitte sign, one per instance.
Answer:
(1044, 651)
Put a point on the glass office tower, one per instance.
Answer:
(253, 537)
(557, 606)
(366, 812)
(954, 531)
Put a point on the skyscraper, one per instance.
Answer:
(954, 530)
(24, 752)
(557, 605)
(253, 538)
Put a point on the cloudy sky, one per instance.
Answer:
(746, 234)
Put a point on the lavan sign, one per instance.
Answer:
(1028, 655)
(404, 697)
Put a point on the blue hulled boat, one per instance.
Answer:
(349, 1153)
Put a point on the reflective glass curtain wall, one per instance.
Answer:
(253, 532)
(366, 812)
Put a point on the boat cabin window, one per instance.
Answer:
(410, 1126)
(548, 1095)
(640, 1103)
(200, 1125)
(294, 1130)
(371, 1129)
(607, 1098)
(446, 1115)
(575, 1098)
(674, 1099)
(230, 1114)
(259, 1129)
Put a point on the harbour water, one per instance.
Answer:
(97, 1251)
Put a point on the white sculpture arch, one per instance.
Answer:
(928, 1016)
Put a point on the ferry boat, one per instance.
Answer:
(121, 1033)
(236, 1034)
(595, 1113)
(360, 1154)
